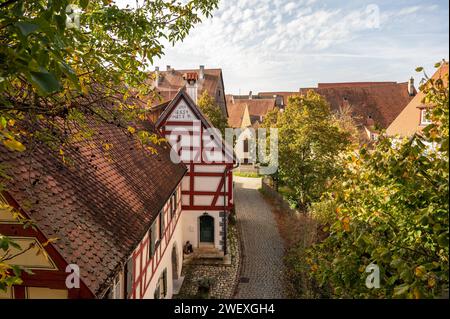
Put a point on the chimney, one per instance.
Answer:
(250, 95)
(157, 77)
(411, 89)
(168, 67)
(191, 84)
(201, 75)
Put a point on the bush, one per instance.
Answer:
(323, 212)
(392, 211)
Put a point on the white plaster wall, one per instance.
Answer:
(166, 262)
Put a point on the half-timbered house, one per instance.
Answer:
(207, 188)
(112, 211)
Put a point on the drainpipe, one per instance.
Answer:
(225, 250)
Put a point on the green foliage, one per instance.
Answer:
(213, 112)
(247, 174)
(54, 74)
(309, 144)
(392, 210)
(49, 67)
(324, 212)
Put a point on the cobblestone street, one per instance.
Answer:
(262, 253)
(224, 276)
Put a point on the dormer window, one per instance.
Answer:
(424, 117)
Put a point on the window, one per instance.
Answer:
(161, 286)
(246, 145)
(175, 200)
(129, 276)
(162, 225)
(424, 119)
(152, 237)
(173, 204)
(114, 291)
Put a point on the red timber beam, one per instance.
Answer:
(138, 256)
(204, 207)
(191, 182)
(55, 279)
(218, 190)
(202, 193)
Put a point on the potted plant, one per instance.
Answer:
(204, 287)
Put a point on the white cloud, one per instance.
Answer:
(252, 40)
(409, 10)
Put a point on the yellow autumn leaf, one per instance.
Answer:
(11, 122)
(417, 294)
(420, 271)
(431, 282)
(50, 240)
(131, 129)
(14, 145)
(346, 223)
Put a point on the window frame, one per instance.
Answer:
(162, 226)
(129, 279)
(161, 286)
(152, 241)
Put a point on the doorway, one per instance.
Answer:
(206, 229)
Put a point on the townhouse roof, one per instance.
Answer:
(378, 102)
(257, 109)
(101, 202)
(172, 80)
(407, 123)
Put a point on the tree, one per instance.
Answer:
(392, 211)
(213, 112)
(63, 60)
(309, 144)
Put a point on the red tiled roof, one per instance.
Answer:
(256, 107)
(407, 123)
(101, 205)
(171, 81)
(381, 101)
(351, 84)
(285, 95)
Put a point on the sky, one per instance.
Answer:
(282, 45)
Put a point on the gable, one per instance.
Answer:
(182, 112)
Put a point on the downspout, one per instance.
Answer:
(225, 226)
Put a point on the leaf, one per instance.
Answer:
(50, 240)
(420, 271)
(131, 129)
(443, 240)
(419, 69)
(401, 290)
(14, 145)
(26, 27)
(45, 81)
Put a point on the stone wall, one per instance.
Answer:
(268, 190)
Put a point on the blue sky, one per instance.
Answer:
(281, 45)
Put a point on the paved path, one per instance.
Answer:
(262, 245)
